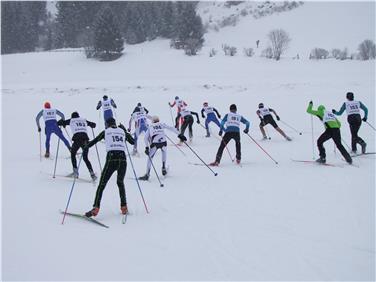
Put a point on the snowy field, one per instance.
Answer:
(260, 221)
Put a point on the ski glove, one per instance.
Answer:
(39, 129)
(334, 111)
(219, 116)
(198, 121)
(364, 119)
(182, 137)
(310, 102)
(246, 131)
(147, 151)
(122, 127)
(220, 133)
(277, 117)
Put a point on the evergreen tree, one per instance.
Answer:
(108, 42)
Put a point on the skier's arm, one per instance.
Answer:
(196, 114)
(172, 129)
(202, 113)
(215, 110)
(37, 118)
(146, 110)
(275, 113)
(99, 105)
(222, 127)
(247, 124)
(60, 114)
(364, 108)
(147, 138)
(177, 120)
(96, 139)
(341, 110)
(311, 111)
(91, 124)
(63, 122)
(130, 123)
(173, 104)
(113, 104)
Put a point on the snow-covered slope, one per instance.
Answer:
(261, 221)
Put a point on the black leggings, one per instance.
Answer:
(355, 121)
(227, 138)
(188, 122)
(115, 161)
(335, 134)
(77, 144)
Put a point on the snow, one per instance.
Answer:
(261, 221)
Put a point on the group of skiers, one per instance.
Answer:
(115, 136)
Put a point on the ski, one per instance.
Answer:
(317, 163)
(368, 153)
(85, 218)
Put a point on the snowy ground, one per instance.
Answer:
(261, 221)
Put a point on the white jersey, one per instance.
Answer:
(115, 139)
(49, 114)
(208, 110)
(156, 134)
(185, 112)
(352, 107)
(233, 120)
(139, 118)
(180, 103)
(328, 116)
(264, 112)
(78, 125)
(106, 104)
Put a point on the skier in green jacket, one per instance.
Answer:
(332, 130)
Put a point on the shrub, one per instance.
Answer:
(248, 52)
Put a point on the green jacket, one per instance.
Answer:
(329, 120)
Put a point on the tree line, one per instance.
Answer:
(101, 27)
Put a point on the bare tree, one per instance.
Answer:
(367, 50)
(318, 54)
(279, 41)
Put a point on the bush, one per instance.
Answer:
(343, 54)
(267, 53)
(192, 45)
(335, 53)
(367, 50)
(229, 50)
(318, 54)
(212, 52)
(279, 41)
(248, 52)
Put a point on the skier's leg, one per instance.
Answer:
(121, 170)
(226, 138)
(323, 138)
(108, 169)
(336, 135)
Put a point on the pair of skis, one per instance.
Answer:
(92, 220)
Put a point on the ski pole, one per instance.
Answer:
(370, 125)
(262, 148)
(172, 118)
(176, 145)
(151, 161)
(40, 147)
(96, 148)
(267, 133)
(221, 139)
(71, 192)
(313, 142)
(57, 154)
(285, 123)
(343, 141)
(215, 173)
(135, 175)
(67, 134)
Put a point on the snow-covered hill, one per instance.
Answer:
(261, 221)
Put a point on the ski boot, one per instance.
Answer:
(164, 171)
(264, 138)
(47, 154)
(215, 163)
(321, 160)
(237, 161)
(349, 160)
(124, 209)
(364, 146)
(288, 138)
(92, 212)
(145, 177)
(74, 174)
(93, 176)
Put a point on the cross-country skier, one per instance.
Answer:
(187, 116)
(354, 119)
(210, 117)
(106, 104)
(179, 105)
(140, 119)
(80, 139)
(51, 126)
(231, 126)
(155, 138)
(115, 138)
(332, 130)
(265, 115)
(140, 108)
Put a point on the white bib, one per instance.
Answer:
(115, 139)
(233, 119)
(328, 116)
(264, 112)
(208, 110)
(49, 114)
(78, 125)
(157, 133)
(180, 103)
(106, 104)
(352, 107)
(138, 116)
(184, 112)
